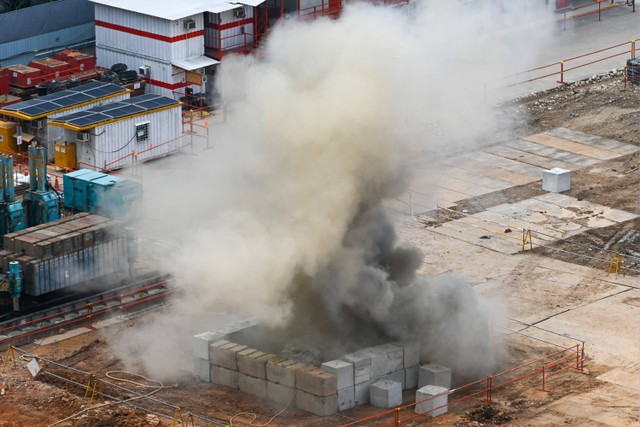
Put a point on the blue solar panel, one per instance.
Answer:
(47, 104)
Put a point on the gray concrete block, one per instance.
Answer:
(346, 398)
(379, 361)
(201, 369)
(395, 357)
(224, 376)
(253, 386)
(361, 366)
(397, 376)
(433, 374)
(200, 344)
(224, 355)
(322, 406)
(385, 394)
(283, 371)
(411, 377)
(426, 402)
(556, 180)
(343, 371)
(411, 352)
(254, 363)
(361, 392)
(316, 381)
(279, 393)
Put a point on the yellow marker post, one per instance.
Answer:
(10, 357)
(616, 265)
(526, 237)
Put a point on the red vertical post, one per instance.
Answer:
(397, 417)
(543, 378)
(489, 388)
(561, 73)
(298, 7)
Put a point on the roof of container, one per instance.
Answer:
(194, 63)
(173, 10)
(58, 102)
(115, 112)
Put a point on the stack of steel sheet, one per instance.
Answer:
(67, 252)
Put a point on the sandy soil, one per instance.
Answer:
(600, 106)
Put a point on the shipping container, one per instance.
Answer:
(24, 77)
(108, 260)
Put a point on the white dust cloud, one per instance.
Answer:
(282, 220)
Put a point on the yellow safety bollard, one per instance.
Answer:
(526, 237)
(616, 265)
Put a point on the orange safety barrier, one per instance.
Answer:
(610, 6)
(569, 358)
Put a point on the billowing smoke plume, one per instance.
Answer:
(283, 219)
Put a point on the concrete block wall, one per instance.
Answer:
(337, 385)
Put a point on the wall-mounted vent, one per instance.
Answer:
(189, 24)
(239, 13)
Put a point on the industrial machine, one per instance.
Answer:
(11, 210)
(12, 283)
(99, 193)
(40, 205)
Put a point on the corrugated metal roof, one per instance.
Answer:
(194, 63)
(172, 9)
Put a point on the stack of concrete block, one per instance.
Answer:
(432, 399)
(344, 382)
(316, 391)
(200, 344)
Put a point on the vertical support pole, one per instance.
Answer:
(543, 378)
(633, 46)
(489, 388)
(599, 10)
(397, 417)
(90, 316)
(582, 357)
(578, 357)
(561, 81)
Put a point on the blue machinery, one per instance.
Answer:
(40, 204)
(11, 211)
(12, 283)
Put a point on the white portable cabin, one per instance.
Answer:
(234, 26)
(118, 134)
(34, 114)
(162, 39)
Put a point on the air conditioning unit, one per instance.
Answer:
(189, 24)
(82, 137)
(239, 13)
(37, 124)
(144, 70)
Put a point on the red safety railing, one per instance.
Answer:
(589, 9)
(569, 358)
(241, 43)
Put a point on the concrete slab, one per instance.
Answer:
(254, 386)
(385, 394)
(280, 394)
(491, 160)
(573, 147)
(411, 353)
(322, 406)
(630, 380)
(343, 371)
(432, 400)
(618, 147)
(528, 158)
(434, 374)
(316, 381)
(552, 153)
(223, 376)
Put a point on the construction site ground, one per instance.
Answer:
(565, 293)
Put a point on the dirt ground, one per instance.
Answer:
(600, 106)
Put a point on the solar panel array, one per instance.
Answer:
(117, 110)
(47, 104)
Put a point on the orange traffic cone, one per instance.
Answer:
(56, 185)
